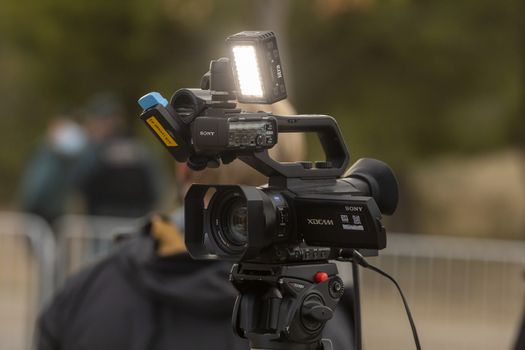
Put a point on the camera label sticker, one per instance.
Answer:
(161, 132)
(355, 224)
(298, 287)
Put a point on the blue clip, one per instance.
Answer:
(152, 99)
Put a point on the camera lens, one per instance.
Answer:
(229, 221)
(236, 215)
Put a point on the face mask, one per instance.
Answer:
(69, 139)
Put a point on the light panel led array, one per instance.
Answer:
(247, 71)
(256, 66)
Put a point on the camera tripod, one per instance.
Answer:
(285, 306)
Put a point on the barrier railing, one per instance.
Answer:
(27, 261)
(464, 293)
(83, 240)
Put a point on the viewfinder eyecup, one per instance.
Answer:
(381, 181)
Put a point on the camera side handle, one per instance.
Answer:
(330, 137)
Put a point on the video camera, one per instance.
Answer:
(309, 210)
(282, 234)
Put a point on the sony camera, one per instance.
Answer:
(308, 211)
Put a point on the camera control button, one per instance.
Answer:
(336, 287)
(320, 277)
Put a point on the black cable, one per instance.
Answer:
(357, 306)
(359, 259)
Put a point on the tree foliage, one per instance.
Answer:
(412, 79)
(407, 80)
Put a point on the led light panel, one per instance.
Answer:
(247, 69)
(256, 66)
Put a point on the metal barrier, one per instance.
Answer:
(464, 293)
(85, 239)
(27, 257)
(32, 265)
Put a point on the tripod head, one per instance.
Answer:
(284, 306)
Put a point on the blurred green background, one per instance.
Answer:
(434, 88)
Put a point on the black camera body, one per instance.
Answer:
(307, 222)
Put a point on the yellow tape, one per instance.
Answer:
(161, 132)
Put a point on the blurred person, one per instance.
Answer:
(46, 181)
(116, 175)
(149, 293)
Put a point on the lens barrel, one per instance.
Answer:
(238, 223)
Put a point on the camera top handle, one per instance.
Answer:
(171, 124)
(330, 138)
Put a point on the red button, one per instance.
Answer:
(320, 277)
